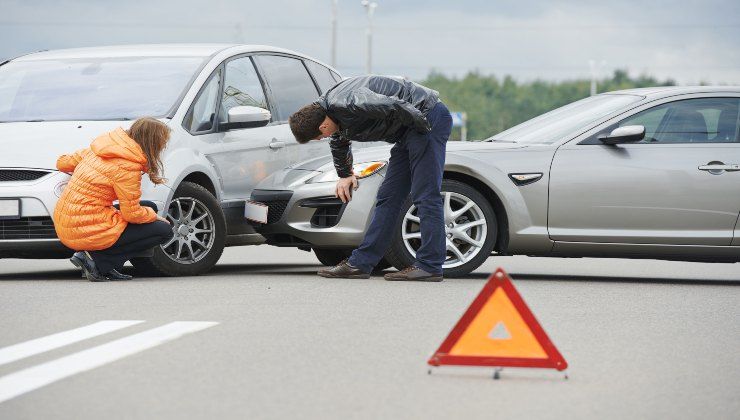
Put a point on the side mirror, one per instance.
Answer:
(247, 117)
(626, 134)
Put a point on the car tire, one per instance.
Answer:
(401, 257)
(332, 257)
(201, 259)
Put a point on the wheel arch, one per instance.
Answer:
(201, 179)
(502, 239)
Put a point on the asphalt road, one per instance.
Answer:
(644, 339)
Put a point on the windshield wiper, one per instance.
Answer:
(500, 140)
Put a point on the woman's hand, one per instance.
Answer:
(344, 188)
(162, 219)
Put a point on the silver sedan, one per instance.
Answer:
(641, 173)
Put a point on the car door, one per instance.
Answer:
(675, 187)
(246, 155)
(290, 87)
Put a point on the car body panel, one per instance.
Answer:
(669, 210)
(233, 161)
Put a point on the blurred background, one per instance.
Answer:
(499, 62)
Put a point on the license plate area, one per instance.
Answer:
(255, 211)
(10, 208)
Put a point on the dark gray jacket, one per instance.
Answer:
(374, 108)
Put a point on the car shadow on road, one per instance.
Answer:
(612, 279)
(74, 274)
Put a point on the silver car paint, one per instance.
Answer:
(690, 213)
(219, 156)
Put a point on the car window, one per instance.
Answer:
(322, 75)
(242, 87)
(289, 82)
(704, 120)
(337, 77)
(567, 121)
(203, 114)
(94, 88)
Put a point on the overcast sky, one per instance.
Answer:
(689, 41)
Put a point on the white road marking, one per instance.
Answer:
(50, 342)
(35, 377)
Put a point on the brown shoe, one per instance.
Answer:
(343, 271)
(413, 274)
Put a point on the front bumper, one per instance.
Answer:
(309, 215)
(33, 234)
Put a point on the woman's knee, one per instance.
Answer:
(164, 230)
(150, 204)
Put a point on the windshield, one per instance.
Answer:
(566, 120)
(93, 88)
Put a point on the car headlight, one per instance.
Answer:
(59, 188)
(361, 170)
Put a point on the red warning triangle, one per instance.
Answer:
(498, 329)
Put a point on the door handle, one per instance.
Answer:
(277, 145)
(718, 167)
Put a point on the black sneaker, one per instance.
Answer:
(343, 271)
(117, 275)
(88, 267)
(78, 259)
(413, 273)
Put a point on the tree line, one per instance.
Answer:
(493, 105)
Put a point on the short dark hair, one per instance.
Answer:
(306, 121)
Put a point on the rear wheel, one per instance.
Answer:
(200, 234)
(470, 226)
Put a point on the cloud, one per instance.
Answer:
(685, 40)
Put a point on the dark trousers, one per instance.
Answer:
(416, 165)
(133, 240)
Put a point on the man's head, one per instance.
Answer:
(311, 123)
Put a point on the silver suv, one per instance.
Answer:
(227, 106)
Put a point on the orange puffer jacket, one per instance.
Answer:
(109, 170)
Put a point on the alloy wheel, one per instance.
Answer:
(465, 229)
(193, 228)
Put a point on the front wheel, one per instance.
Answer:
(470, 229)
(199, 229)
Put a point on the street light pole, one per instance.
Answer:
(370, 9)
(334, 33)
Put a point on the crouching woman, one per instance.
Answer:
(111, 169)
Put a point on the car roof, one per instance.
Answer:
(664, 91)
(154, 50)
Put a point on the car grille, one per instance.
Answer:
(27, 228)
(328, 211)
(20, 175)
(275, 200)
(275, 210)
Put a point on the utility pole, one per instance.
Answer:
(370, 9)
(594, 75)
(334, 33)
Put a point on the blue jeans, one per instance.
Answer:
(416, 165)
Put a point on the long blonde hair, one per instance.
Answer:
(152, 135)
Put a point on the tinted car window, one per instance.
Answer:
(322, 75)
(289, 82)
(242, 87)
(202, 117)
(705, 120)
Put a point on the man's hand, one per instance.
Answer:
(345, 187)
(162, 219)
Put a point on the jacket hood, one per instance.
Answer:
(117, 144)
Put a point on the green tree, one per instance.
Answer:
(494, 104)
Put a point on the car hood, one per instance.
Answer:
(384, 152)
(39, 144)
